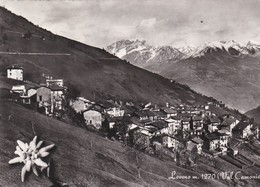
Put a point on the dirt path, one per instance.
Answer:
(45, 54)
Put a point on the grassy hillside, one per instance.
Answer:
(96, 73)
(254, 113)
(80, 157)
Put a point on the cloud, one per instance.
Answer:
(166, 22)
(147, 23)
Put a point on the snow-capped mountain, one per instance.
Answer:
(253, 47)
(187, 50)
(231, 47)
(123, 47)
(142, 54)
(221, 69)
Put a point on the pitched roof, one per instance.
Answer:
(191, 145)
(149, 113)
(44, 88)
(159, 114)
(176, 118)
(151, 129)
(141, 114)
(136, 121)
(242, 125)
(18, 87)
(89, 110)
(14, 67)
(169, 110)
(158, 124)
(212, 136)
(197, 140)
(169, 120)
(228, 122)
(83, 99)
(106, 104)
(214, 119)
(55, 87)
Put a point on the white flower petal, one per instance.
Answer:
(43, 154)
(16, 160)
(39, 144)
(28, 165)
(18, 148)
(45, 149)
(35, 170)
(23, 173)
(21, 145)
(18, 152)
(26, 146)
(32, 144)
(39, 162)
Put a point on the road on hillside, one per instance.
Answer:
(46, 54)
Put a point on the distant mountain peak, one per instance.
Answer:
(140, 51)
(252, 42)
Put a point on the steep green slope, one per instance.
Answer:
(96, 73)
(80, 157)
(254, 113)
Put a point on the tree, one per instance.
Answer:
(122, 129)
(72, 92)
(111, 133)
(141, 141)
(105, 126)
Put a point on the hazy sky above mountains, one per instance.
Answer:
(160, 22)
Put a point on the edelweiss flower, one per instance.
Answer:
(31, 156)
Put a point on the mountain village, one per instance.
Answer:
(203, 130)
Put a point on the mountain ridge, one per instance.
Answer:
(226, 65)
(117, 48)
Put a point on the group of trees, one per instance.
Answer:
(118, 132)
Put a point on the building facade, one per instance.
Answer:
(15, 72)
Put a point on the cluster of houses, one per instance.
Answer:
(48, 97)
(193, 127)
(200, 128)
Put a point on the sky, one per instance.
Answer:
(159, 22)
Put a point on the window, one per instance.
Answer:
(90, 122)
(40, 97)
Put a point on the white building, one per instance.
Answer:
(58, 82)
(15, 72)
(115, 112)
(93, 117)
(80, 104)
(20, 89)
(31, 92)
